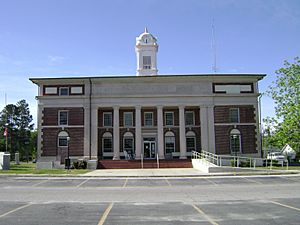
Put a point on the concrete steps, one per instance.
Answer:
(136, 164)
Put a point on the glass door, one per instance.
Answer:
(149, 149)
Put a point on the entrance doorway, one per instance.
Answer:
(149, 149)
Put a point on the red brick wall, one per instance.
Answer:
(246, 113)
(50, 116)
(50, 141)
(248, 138)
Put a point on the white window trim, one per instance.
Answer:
(193, 118)
(124, 121)
(107, 113)
(128, 137)
(238, 111)
(166, 118)
(62, 125)
(238, 133)
(152, 124)
(107, 135)
(170, 134)
(62, 134)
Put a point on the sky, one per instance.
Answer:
(62, 38)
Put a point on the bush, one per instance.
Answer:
(80, 164)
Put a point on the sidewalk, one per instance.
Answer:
(172, 172)
(180, 172)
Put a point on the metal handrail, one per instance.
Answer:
(217, 159)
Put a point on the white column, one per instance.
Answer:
(138, 132)
(160, 132)
(94, 133)
(204, 128)
(182, 138)
(211, 129)
(87, 125)
(116, 134)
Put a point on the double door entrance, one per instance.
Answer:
(149, 149)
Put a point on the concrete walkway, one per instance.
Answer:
(181, 172)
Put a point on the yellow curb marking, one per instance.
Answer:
(105, 214)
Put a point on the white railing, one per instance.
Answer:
(220, 159)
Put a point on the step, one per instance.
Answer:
(136, 164)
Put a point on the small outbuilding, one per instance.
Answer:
(289, 152)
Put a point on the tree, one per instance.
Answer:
(18, 121)
(286, 93)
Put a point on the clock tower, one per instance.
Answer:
(146, 49)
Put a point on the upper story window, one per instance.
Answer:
(63, 117)
(107, 119)
(146, 62)
(148, 116)
(189, 118)
(128, 119)
(169, 118)
(64, 91)
(234, 115)
(233, 88)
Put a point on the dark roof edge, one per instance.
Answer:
(157, 76)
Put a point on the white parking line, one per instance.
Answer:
(205, 215)
(83, 182)
(37, 184)
(15, 210)
(286, 206)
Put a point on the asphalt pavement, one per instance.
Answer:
(155, 200)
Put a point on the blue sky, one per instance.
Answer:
(54, 38)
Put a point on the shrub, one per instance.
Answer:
(80, 164)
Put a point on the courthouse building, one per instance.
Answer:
(147, 115)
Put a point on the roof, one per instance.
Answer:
(257, 76)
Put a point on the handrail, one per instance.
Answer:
(217, 159)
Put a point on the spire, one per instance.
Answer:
(146, 30)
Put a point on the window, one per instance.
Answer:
(63, 118)
(189, 118)
(148, 118)
(50, 91)
(63, 139)
(169, 118)
(190, 141)
(235, 141)
(64, 91)
(169, 142)
(146, 62)
(234, 115)
(107, 119)
(76, 90)
(128, 119)
(107, 142)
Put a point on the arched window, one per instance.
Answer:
(62, 140)
(169, 142)
(107, 142)
(235, 141)
(190, 141)
(128, 143)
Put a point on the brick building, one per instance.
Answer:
(147, 115)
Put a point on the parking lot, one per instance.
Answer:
(165, 200)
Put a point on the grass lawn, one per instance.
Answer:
(280, 168)
(30, 168)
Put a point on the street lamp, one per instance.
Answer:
(68, 153)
